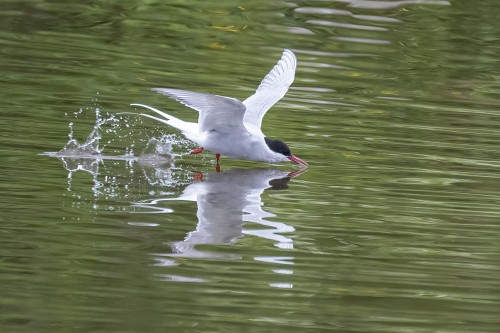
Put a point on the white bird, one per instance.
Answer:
(230, 127)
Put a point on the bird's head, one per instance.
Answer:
(279, 147)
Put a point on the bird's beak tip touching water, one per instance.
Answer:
(297, 160)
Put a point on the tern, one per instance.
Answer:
(229, 127)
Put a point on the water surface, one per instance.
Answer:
(393, 228)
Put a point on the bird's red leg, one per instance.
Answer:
(217, 167)
(197, 150)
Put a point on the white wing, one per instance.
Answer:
(217, 113)
(271, 89)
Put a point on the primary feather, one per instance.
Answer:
(272, 88)
(217, 113)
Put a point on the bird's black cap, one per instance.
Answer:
(278, 146)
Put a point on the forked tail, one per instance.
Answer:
(188, 128)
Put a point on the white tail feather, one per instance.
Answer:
(189, 129)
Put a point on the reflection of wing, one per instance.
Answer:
(222, 199)
(217, 113)
(272, 88)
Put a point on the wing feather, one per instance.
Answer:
(272, 88)
(217, 113)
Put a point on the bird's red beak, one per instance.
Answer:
(297, 160)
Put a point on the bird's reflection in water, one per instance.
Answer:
(226, 201)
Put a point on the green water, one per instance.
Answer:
(393, 228)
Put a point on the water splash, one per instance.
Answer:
(98, 156)
(91, 146)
